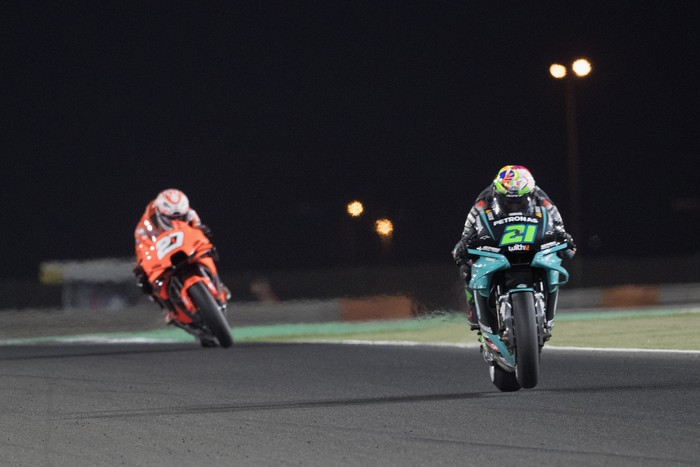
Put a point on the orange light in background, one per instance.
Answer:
(581, 67)
(558, 71)
(355, 208)
(384, 227)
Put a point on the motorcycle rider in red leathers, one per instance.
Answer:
(169, 205)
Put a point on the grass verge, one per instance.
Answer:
(668, 329)
(677, 329)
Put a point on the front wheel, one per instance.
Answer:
(211, 313)
(504, 380)
(527, 352)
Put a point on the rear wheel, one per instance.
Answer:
(211, 313)
(527, 355)
(503, 380)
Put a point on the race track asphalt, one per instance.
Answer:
(333, 404)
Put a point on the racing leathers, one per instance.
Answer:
(487, 200)
(150, 226)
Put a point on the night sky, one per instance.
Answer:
(272, 115)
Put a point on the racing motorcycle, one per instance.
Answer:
(516, 274)
(179, 264)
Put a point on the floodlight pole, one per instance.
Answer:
(572, 158)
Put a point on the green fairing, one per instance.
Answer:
(550, 261)
(488, 263)
(503, 350)
(482, 269)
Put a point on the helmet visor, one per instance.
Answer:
(165, 221)
(511, 203)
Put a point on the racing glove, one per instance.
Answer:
(142, 281)
(465, 272)
(570, 245)
(206, 231)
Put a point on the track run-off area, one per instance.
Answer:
(89, 403)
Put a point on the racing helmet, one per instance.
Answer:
(514, 187)
(171, 204)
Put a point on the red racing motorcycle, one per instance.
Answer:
(179, 264)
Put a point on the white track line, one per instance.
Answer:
(461, 345)
(476, 345)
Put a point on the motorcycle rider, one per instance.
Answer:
(513, 191)
(169, 205)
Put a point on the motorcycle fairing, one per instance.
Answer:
(483, 269)
(156, 256)
(502, 351)
(551, 262)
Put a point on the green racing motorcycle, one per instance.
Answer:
(515, 278)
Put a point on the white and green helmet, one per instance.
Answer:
(514, 180)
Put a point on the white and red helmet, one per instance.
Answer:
(171, 204)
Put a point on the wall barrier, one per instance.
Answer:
(630, 295)
(109, 283)
(146, 316)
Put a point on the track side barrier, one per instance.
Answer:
(376, 308)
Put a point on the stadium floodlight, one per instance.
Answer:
(557, 70)
(581, 68)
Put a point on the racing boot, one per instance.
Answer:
(208, 341)
(169, 317)
(465, 272)
(472, 316)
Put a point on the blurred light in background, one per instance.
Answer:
(355, 208)
(384, 227)
(558, 71)
(581, 67)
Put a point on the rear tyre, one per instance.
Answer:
(211, 313)
(527, 355)
(503, 380)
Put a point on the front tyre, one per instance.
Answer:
(504, 380)
(527, 355)
(211, 313)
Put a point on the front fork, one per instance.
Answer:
(505, 319)
(544, 327)
(180, 304)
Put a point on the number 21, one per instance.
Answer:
(518, 233)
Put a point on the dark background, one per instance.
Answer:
(272, 115)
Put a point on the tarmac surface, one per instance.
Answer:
(334, 404)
